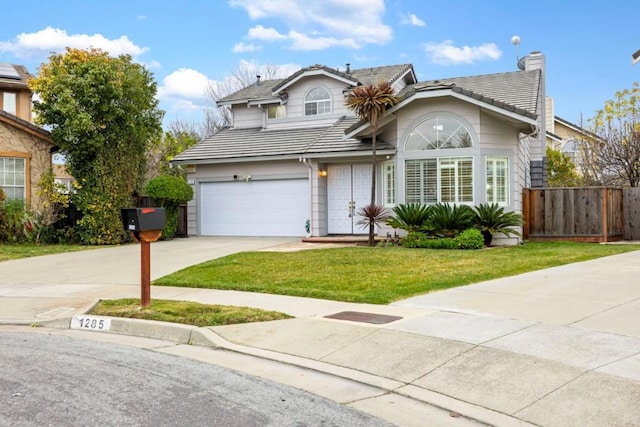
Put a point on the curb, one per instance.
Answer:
(205, 337)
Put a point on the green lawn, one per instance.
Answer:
(11, 251)
(188, 313)
(378, 275)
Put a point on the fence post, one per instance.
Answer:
(526, 214)
(605, 216)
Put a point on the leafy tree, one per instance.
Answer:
(102, 112)
(561, 171)
(370, 103)
(179, 137)
(170, 192)
(612, 155)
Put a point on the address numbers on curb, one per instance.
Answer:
(91, 323)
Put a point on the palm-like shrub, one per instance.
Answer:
(448, 220)
(372, 215)
(409, 217)
(491, 219)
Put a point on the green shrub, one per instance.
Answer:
(409, 217)
(470, 238)
(170, 192)
(12, 221)
(447, 220)
(423, 241)
(491, 219)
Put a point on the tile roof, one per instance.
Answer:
(238, 143)
(268, 89)
(515, 91)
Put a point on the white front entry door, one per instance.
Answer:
(348, 190)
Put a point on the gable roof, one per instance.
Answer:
(25, 126)
(257, 143)
(515, 91)
(269, 90)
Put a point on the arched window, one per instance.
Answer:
(318, 101)
(437, 133)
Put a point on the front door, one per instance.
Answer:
(348, 190)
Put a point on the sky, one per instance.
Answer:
(189, 45)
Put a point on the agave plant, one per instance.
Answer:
(448, 220)
(491, 219)
(409, 217)
(370, 216)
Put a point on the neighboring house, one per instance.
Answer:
(296, 161)
(25, 149)
(565, 136)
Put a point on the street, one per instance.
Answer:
(54, 380)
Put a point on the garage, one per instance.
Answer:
(255, 208)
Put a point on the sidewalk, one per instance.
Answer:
(558, 347)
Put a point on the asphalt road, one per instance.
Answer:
(59, 381)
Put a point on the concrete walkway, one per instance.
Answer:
(557, 347)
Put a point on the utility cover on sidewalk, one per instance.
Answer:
(356, 316)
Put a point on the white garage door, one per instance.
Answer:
(255, 208)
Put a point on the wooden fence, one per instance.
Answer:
(585, 214)
(631, 213)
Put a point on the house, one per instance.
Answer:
(295, 161)
(25, 149)
(565, 136)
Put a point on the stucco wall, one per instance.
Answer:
(17, 143)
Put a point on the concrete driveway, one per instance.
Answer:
(53, 286)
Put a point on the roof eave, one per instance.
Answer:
(309, 73)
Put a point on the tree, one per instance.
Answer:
(370, 103)
(180, 136)
(561, 171)
(102, 112)
(170, 192)
(612, 155)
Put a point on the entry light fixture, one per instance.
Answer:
(322, 173)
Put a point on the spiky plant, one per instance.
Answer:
(491, 219)
(370, 103)
(409, 217)
(448, 220)
(372, 215)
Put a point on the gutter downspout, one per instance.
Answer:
(304, 160)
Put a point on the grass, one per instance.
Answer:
(17, 251)
(188, 313)
(378, 275)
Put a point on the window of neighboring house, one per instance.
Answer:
(497, 176)
(317, 102)
(9, 102)
(388, 183)
(276, 112)
(571, 149)
(12, 177)
(439, 180)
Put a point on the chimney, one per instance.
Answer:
(258, 80)
(536, 61)
(348, 68)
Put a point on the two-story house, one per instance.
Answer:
(295, 161)
(25, 149)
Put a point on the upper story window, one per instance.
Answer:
(438, 133)
(317, 102)
(9, 102)
(276, 112)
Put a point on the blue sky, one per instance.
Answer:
(193, 43)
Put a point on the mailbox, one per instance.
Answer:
(143, 219)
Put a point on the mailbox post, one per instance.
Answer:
(146, 225)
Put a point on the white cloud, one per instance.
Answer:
(244, 47)
(446, 53)
(42, 42)
(321, 24)
(412, 19)
(267, 34)
(184, 83)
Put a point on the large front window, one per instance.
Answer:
(318, 101)
(439, 180)
(12, 177)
